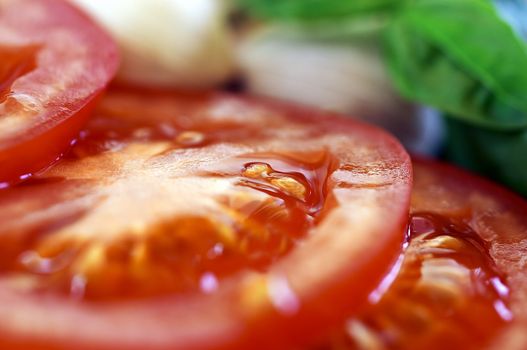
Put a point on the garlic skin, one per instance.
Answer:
(168, 43)
(336, 76)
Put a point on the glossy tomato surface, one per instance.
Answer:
(54, 64)
(461, 282)
(200, 221)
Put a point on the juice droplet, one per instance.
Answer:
(293, 177)
(78, 287)
(143, 133)
(208, 283)
(282, 295)
(285, 183)
(35, 263)
(215, 251)
(447, 294)
(257, 171)
(190, 138)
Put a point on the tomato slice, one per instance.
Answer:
(55, 62)
(462, 283)
(200, 221)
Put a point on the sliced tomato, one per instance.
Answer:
(462, 283)
(200, 221)
(55, 63)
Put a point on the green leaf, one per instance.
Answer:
(309, 10)
(460, 57)
(345, 31)
(498, 155)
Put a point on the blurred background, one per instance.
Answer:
(447, 77)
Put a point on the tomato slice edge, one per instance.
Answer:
(116, 326)
(40, 99)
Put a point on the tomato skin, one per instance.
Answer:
(373, 178)
(49, 91)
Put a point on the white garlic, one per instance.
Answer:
(183, 43)
(336, 76)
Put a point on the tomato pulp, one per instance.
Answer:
(462, 281)
(55, 63)
(200, 221)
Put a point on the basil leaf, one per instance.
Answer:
(362, 33)
(497, 155)
(345, 31)
(437, 57)
(309, 10)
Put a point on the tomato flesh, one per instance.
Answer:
(454, 289)
(55, 63)
(190, 253)
(178, 215)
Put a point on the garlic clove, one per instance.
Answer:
(337, 76)
(172, 43)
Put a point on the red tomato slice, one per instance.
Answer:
(463, 281)
(55, 62)
(201, 221)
